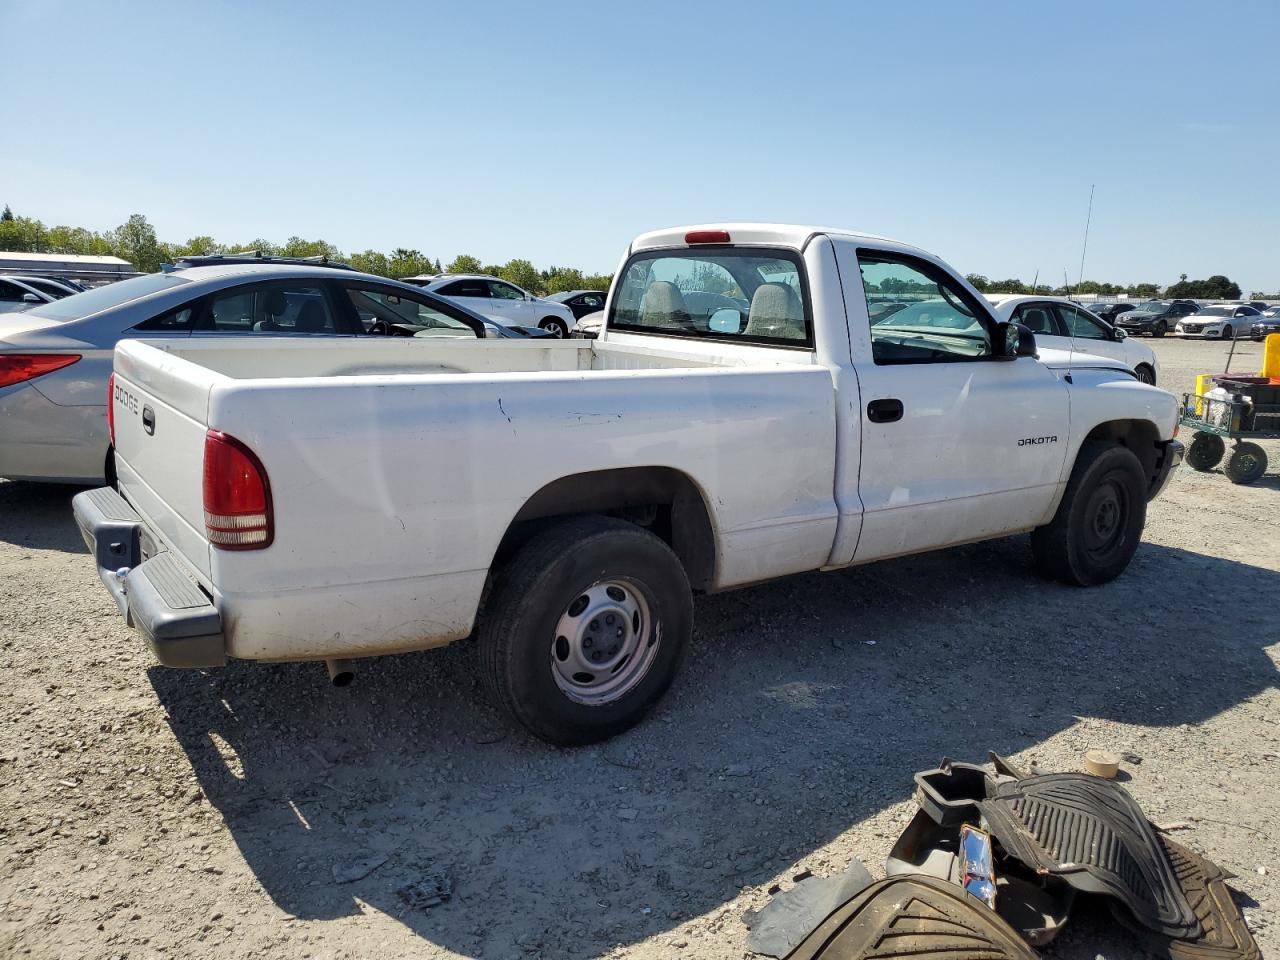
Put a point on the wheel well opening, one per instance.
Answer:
(1140, 436)
(661, 499)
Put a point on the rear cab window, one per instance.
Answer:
(734, 294)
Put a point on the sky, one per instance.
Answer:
(556, 131)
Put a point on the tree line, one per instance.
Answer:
(135, 240)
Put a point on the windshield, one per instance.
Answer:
(102, 298)
(1152, 308)
(719, 293)
(1214, 312)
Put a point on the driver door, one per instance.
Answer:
(956, 445)
(1088, 335)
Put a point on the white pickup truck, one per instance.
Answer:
(747, 412)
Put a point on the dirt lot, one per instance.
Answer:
(148, 812)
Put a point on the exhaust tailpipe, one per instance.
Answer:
(341, 672)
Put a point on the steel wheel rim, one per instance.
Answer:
(604, 643)
(554, 330)
(1105, 520)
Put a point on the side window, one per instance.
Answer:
(10, 292)
(175, 321)
(932, 320)
(1036, 317)
(276, 309)
(466, 288)
(594, 301)
(1080, 324)
(504, 291)
(392, 313)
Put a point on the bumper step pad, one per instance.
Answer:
(912, 916)
(1093, 835)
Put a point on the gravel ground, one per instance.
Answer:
(149, 813)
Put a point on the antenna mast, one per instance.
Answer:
(1085, 246)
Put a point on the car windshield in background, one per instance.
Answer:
(753, 295)
(104, 297)
(1214, 312)
(1152, 308)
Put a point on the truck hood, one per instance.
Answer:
(1057, 359)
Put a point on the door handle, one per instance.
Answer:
(884, 411)
(149, 421)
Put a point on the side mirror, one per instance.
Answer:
(726, 320)
(31, 298)
(1013, 340)
(1119, 334)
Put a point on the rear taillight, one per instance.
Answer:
(237, 496)
(21, 367)
(111, 408)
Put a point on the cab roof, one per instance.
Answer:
(795, 236)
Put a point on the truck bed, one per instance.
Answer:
(401, 463)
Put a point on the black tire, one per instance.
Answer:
(1247, 463)
(1096, 530)
(1160, 329)
(1145, 374)
(557, 327)
(1205, 451)
(1228, 332)
(538, 587)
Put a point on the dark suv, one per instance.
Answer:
(1155, 317)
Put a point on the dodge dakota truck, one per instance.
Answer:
(752, 408)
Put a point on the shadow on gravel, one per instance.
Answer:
(804, 708)
(39, 515)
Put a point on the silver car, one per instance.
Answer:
(55, 358)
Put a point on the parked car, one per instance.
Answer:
(562, 500)
(54, 288)
(1155, 317)
(1110, 311)
(581, 302)
(55, 358)
(499, 300)
(1064, 324)
(1266, 324)
(1218, 323)
(1260, 305)
(18, 295)
(588, 327)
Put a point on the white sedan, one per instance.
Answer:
(1218, 323)
(1060, 323)
(499, 300)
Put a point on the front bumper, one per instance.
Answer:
(154, 594)
(1170, 457)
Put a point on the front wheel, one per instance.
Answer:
(1247, 463)
(584, 629)
(1160, 329)
(556, 327)
(1145, 374)
(1094, 534)
(1205, 451)
(1227, 332)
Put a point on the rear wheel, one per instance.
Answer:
(1096, 530)
(1160, 329)
(1145, 373)
(1205, 451)
(1247, 463)
(584, 629)
(555, 326)
(1227, 332)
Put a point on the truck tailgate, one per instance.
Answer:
(160, 405)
